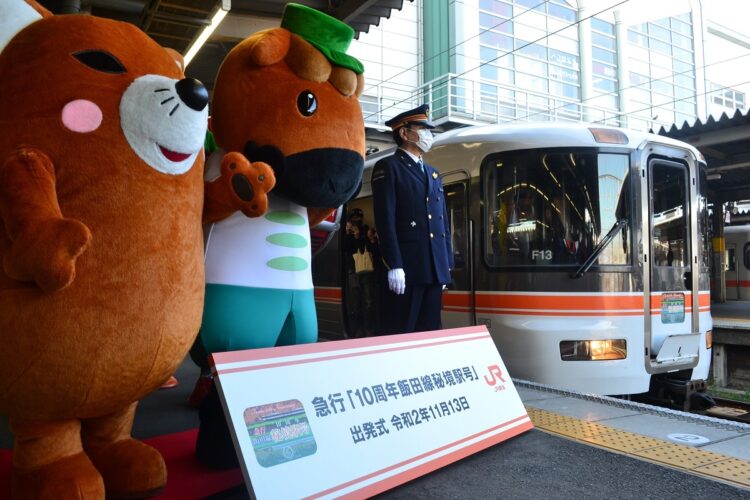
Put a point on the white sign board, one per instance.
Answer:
(357, 417)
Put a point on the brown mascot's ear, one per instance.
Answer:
(306, 61)
(39, 8)
(360, 85)
(270, 47)
(178, 59)
(15, 15)
(345, 80)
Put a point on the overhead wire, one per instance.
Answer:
(422, 92)
(453, 47)
(677, 100)
(637, 86)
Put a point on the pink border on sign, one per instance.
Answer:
(437, 463)
(326, 347)
(369, 352)
(332, 350)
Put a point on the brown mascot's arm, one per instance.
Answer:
(242, 186)
(44, 244)
(318, 215)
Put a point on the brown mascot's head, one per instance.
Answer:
(289, 97)
(89, 79)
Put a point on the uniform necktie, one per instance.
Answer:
(421, 165)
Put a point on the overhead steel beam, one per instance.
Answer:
(720, 136)
(129, 6)
(350, 9)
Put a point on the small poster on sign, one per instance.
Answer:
(357, 417)
(672, 308)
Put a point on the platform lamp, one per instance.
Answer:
(218, 15)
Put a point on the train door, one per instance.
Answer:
(732, 274)
(743, 269)
(671, 285)
(458, 298)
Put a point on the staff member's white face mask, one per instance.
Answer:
(424, 141)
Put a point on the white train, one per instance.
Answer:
(583, 250)
(737, 240)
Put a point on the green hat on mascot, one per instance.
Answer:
(327, 34)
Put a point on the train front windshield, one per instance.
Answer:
(553, 207)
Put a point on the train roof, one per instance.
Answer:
(542, 134)
(465, 148)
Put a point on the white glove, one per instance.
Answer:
(397, 281)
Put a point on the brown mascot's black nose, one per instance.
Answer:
(193, 93)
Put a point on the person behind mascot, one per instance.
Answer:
(288, 97)
(102, 280)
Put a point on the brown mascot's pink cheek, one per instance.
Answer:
(81, 116)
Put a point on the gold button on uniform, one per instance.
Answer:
(431, 235)
(429, 216)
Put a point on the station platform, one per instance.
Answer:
(582, 447)
(731, 315)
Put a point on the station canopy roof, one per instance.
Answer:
(725, 143)
(177, 23)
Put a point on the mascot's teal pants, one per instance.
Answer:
(236, 318)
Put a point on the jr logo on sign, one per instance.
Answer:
(495, 374)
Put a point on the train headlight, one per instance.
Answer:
(593, 350)
(709, 339)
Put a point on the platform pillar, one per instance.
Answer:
(719, 366)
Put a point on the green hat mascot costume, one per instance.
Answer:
(288, 97)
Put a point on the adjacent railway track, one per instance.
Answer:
(729, 409)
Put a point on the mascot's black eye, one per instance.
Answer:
(307, 103)
(100, 61)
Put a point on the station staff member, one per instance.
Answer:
(412, 222)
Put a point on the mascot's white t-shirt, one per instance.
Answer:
(271, 251)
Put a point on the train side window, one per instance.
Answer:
(746, 255)
(455, 201)
(730, 260)
(670, 215)
(705, 228)
(552, 207)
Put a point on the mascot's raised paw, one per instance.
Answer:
(46, 253)
(242, 186)
(44, 245)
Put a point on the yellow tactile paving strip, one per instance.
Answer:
(693, 460)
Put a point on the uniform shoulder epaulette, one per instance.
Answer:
(378, 172)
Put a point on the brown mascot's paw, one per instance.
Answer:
(46, 253)
(130, 468)
(249, 183)
(71, 478)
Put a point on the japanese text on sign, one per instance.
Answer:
(380, 393)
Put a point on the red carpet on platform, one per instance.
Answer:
(187, 479)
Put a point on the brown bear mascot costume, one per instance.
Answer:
(289, 97)
(102, 278)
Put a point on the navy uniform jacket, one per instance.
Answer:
(411, 220)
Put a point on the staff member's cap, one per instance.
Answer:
(419, 116)
(327, 34)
